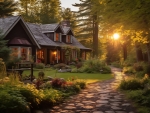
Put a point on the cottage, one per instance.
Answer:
(48, 43)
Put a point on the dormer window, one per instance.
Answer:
(57, 37)
(68, 39)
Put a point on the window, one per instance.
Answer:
(57, 37)
(24, 53)
(14, 52)
(40, 54)
(83, 55)
(21, 52)
(68, 39)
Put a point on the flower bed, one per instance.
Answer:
(17, 97)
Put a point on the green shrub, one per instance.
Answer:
(79, 65)
(74, 88)
(116, 64)
(141, 97)
(31, 94)
(138, 66)
(60, 66)
(128, 70)
(135, 95)
(41, 75)
(131, 84)
(140, 74)
(39, 66)
(74, 70)
(147, 69)
(81, 70)
(82, 84)
(11, 101)
(95, 66)
(12, 63)
(51, 96)
(106, 70)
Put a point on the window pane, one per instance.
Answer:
(24, 53)
(57, 36)
(14, 52)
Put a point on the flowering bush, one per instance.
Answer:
(39, 66)
(58, 83)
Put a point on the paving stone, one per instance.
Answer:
(109, 112)
(70, 107)
(126, 104)
(102, 101)
(98, 105)
(98, 112)
(88, 107)
(115, 108)
(121, 112)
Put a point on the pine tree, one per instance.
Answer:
(4, 50)
(88, 23)
(7, 7)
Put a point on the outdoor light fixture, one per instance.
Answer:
(54, 52)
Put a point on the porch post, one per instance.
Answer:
(19, 52)
(85, 55)
(57, 55)
(35, 55)
(28, 55)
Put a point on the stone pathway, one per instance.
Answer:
(100, 97)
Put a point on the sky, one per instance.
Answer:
(68, 4)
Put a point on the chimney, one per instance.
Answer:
(65, 23)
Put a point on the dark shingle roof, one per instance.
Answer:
(37, 31)
(41, 38)
(77, 44)
(66, 29)
(7, 23)
(49, 27)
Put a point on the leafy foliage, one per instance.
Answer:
(40, 11)
(12, 101)
(39, 66)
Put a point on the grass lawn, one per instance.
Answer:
(88, 77)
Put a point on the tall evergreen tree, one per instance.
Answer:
(4, 50)
(88, 23)
(7, 7)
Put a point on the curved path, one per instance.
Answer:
(100, 97)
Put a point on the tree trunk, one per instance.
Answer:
(124, 51)
(139, 53)
(148, 51)
(95, 36)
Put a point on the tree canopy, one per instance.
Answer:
(7, 7)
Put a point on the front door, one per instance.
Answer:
(52, 56)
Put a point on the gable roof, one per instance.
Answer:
(41, 38)
(50, 27)
(67, 30)
(7, 24)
